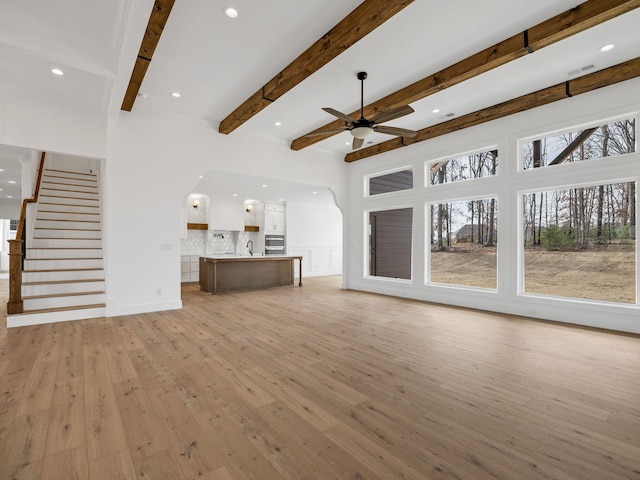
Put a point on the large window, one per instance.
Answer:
(464, 237)
(390, 234)
(580, 242)
(608, 140)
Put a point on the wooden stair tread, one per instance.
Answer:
(73, 198)
(58, 282)
(72, 213)
(65, 220)
(69, 204)
(70, 229)
(63, 295)
(67, 171)
(63, 238)
(67, 181)
(63, 270)
(62, 309)
(65, 248)
(65, 258)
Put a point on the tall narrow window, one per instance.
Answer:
(390, 234)
(464, 237)
(580, 242)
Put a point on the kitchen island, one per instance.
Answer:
(232, 272)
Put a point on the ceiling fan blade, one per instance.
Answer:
(399, 132)
(327, 132)
(357, 143)
(340, 115)
(392, 114)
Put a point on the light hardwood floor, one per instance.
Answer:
(315, 383)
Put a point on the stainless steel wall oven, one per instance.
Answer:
(274, 245)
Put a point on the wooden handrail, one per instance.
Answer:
(16, 250)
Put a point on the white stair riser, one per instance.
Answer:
(67, 176)
(59, 207)
(48, 199)
(67, 193)
(34, 253)
(60, 275)
(66, 301)
(65, 243)
(69, 186)
(68, 225)
(94, 216)
(26, 319)
(56, 233)
(58, 288)
(50, 179)
(63, 264)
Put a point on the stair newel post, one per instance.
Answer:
(15, 303)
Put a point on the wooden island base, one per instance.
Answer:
(219, 274)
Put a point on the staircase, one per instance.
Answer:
(63, 275)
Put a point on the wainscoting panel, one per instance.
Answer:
(318, 261)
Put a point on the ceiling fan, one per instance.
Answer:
(363, 128)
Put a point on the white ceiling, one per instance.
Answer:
(216, 62)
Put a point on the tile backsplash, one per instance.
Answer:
(216, 242)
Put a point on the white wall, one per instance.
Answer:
(10, 208)
(621, 99)
(52, 127)
(152, 164)
(315, 232)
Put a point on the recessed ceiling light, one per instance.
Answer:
(608, 47)
(175, 94)
(264, 185)
(278, 124)
(9, 196)
(235, 194)
(435, 110)
(314, 192)
(200, 176)
(347, 143)
(12, 181)
(1, 169)
(231, 12)
(57, 71)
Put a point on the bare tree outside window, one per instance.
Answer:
(579, 243)
(463, 243)
(463, 167)
(609, 140)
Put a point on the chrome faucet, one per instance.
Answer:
(250, 242)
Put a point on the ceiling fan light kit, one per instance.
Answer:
(362, 128)
(361, 132)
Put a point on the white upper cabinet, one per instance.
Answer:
(274, 218)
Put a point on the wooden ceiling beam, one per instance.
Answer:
(603, 78)
(562, 26)
(157, 21)
(368, 16)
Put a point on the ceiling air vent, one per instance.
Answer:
(586, 68)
